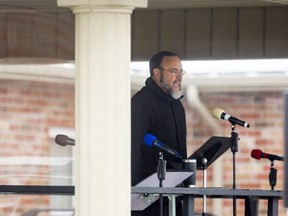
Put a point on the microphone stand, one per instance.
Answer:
(234, 148)
(204, 163)
(272, 181)
(161, 173)
(272, 175)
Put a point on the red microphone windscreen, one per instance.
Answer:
(256, 153)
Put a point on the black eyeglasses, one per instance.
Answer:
(174, 71)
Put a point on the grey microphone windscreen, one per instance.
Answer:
(61, 139)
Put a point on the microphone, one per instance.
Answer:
(257, 154)
(220, 114)
(64, 140)
(150, 140)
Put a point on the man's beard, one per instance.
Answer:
(169, 90)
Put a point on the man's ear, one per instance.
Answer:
(156, 73)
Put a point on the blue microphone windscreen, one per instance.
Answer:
(149, 139)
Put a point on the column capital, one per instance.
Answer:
(103, 3)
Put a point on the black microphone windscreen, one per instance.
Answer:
(61, 139)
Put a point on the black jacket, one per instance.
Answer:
(155, 112)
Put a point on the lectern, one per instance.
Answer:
(211, 150)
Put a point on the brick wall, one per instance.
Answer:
(27, 111)
(264, 112)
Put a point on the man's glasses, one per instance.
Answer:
(174, 71)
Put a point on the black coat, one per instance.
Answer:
(155, 112)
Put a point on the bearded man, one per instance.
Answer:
(156, 109)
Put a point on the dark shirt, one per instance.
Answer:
(155, 112)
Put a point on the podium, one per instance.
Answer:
(173, 178)
(212, 149)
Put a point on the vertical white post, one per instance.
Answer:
(102, 86)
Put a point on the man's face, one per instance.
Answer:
(169, 76)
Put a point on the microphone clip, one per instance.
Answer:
(161, 169)
(272, 175)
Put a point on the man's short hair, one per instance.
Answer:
(155, 61)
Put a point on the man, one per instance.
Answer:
(156, 109)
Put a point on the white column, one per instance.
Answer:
(102, 106)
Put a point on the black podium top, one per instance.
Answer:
(212, 149)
